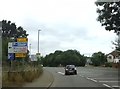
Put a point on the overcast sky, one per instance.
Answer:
(64, 24)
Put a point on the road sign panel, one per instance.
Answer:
(33, 57)
(20, 54)
(20, 49)
(22, 39)
(11, 56)
(17, 47)
(10, 48)
(19, 44)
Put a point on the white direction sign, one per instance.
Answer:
(20, 49)
(10, 48)
(14, 47)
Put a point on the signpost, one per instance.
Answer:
(19, 48)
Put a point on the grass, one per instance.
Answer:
(18, 78)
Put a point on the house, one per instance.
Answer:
(113, 57)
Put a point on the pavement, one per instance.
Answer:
(44, 81)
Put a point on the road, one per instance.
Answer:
(87, 77)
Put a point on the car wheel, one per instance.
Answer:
(75, 72)
(65, 73)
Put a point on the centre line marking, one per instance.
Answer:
(61, 73)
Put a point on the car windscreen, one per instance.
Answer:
(70, 66)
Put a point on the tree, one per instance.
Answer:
(109, 15)
(98, 59)
(64, 58)
(9, 33)
(117, 44)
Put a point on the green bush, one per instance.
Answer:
(108, 64)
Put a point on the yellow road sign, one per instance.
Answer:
(20, 54)
(22, 39)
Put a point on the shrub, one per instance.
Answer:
(108, 64)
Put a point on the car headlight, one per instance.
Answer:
(66, 69)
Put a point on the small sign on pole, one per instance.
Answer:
(11, 56)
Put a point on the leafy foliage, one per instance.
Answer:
(117, 44)
(10, 31)
(63, 58)
(9, 34)
(98, 59)
(109, 15)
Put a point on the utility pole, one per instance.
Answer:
(38, 40)
(30, 48)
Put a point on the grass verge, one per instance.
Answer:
(19, 78)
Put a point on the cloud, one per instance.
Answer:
(64, 24)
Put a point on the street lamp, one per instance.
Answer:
(30, 48)
(38, 40)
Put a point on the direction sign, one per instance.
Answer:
(19, 44)
(20, 49)
(22, 39)
(17, 47)
(20, 54)
(10, 48)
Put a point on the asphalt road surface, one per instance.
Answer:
(86, 77)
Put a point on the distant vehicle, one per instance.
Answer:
(70, 69)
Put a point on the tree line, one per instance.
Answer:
(62, 58)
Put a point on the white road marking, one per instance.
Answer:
(108, 81)
(81, 76)
(93, 80)
(88, 78)
(105, 78)
(61, 73)
(116, 86)
(107, 85)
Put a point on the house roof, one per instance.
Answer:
(114, 53)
